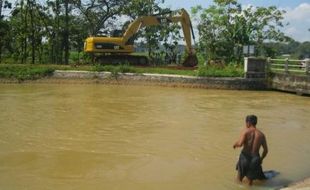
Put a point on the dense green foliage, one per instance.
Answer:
(225, 27)
(295, 50)
(231, 70)
(46, 32)
(169, 34)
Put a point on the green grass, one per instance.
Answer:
(24, 72)
(231, 70)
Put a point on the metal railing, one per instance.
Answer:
(289, 65)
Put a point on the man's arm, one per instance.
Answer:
(240, 142)
(265, 147)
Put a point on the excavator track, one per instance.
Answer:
(122, 59)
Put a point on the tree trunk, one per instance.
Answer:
(33, 56)
(24, 39)
(1, 3)
(66, 33)
(57, 39)
(149, 47)
(0, 51)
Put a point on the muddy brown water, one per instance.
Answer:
(75, 136)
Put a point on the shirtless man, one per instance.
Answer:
(249, 164)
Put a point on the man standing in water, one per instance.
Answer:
(249, 164)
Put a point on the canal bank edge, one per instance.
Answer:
(281, 82)
(257, 76)
(300, 185)
(233, 83)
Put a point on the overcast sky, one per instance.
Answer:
(297, 15)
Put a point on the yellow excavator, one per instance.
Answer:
(118, 49)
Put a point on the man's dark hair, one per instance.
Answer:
(252, 119)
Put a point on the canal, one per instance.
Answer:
(75, 136)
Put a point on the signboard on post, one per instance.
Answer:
(248, 50)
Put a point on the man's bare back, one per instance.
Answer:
(251, 139)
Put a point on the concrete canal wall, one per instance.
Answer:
(291, 83)
(256, 77)
(288, 82)
(166, 80)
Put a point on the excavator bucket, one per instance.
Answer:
(190, 61)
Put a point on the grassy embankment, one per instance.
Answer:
(31, 72)
(24, 72)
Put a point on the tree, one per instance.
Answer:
(138, 8)
(28, 28)
(225, 27)
(78, 33)
(168, 34)
(98, 12)
(171, 36)
(4, 25)
(303, 51)
(60, 14)
(66, 44)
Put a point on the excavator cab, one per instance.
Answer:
(117, 33)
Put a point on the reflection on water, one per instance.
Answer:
(133, 137)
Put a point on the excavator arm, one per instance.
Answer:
(182, 17)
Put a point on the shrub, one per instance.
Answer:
(231, 70)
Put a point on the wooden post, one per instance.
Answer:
(268, 65)
(307, 66)
(286, 65)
